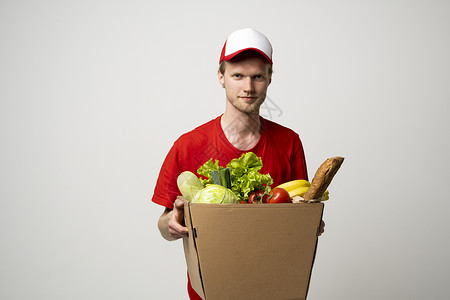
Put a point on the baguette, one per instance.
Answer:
(323, 177)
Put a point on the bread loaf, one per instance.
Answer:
(323, 177)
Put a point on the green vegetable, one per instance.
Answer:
(189, 185)
(244, 174)
(214, 193)
(225, 177)
(206, 169)
(216, 177)
(222, 177)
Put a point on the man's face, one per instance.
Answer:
(246, 79)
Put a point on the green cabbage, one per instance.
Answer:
(214, 193)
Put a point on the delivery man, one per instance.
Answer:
(245, 72)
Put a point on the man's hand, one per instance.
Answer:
(322, 227)
(176, 216)
(170, 222)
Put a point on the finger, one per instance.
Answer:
(178, 203)
(178, 211)
(175, 220)
(176, 229)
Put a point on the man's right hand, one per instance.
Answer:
(170, 222)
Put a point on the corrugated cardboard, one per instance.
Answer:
(251, 251)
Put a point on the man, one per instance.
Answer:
(245, 72)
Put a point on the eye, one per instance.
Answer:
(258, 76)
(237, 76)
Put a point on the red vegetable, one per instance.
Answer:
(279, 195)
(258, 196)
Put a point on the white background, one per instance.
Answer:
(93, 94)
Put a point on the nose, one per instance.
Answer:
(248, 85)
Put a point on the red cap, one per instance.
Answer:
(246, 39)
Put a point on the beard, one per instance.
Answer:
(247, 108)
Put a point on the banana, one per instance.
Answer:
(299, 187)
(294, 184)
(298, 191)
(325, 196)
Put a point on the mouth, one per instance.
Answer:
(248, 98)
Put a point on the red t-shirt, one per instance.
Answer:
(279, 147)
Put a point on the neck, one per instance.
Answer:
(243, 130)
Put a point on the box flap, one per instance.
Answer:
(190, 253)
(263, 251)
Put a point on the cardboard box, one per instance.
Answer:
(251, 251)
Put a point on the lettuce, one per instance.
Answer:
(245, 175)
(205, 170)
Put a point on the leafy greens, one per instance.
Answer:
(244, 172)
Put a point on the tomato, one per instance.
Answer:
(279, 195)
(258, 196)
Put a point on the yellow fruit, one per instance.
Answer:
(298, 191)
(325, 196)
(294, 184)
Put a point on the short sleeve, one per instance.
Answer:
(166, 189)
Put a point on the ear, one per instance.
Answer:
(221, 78)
